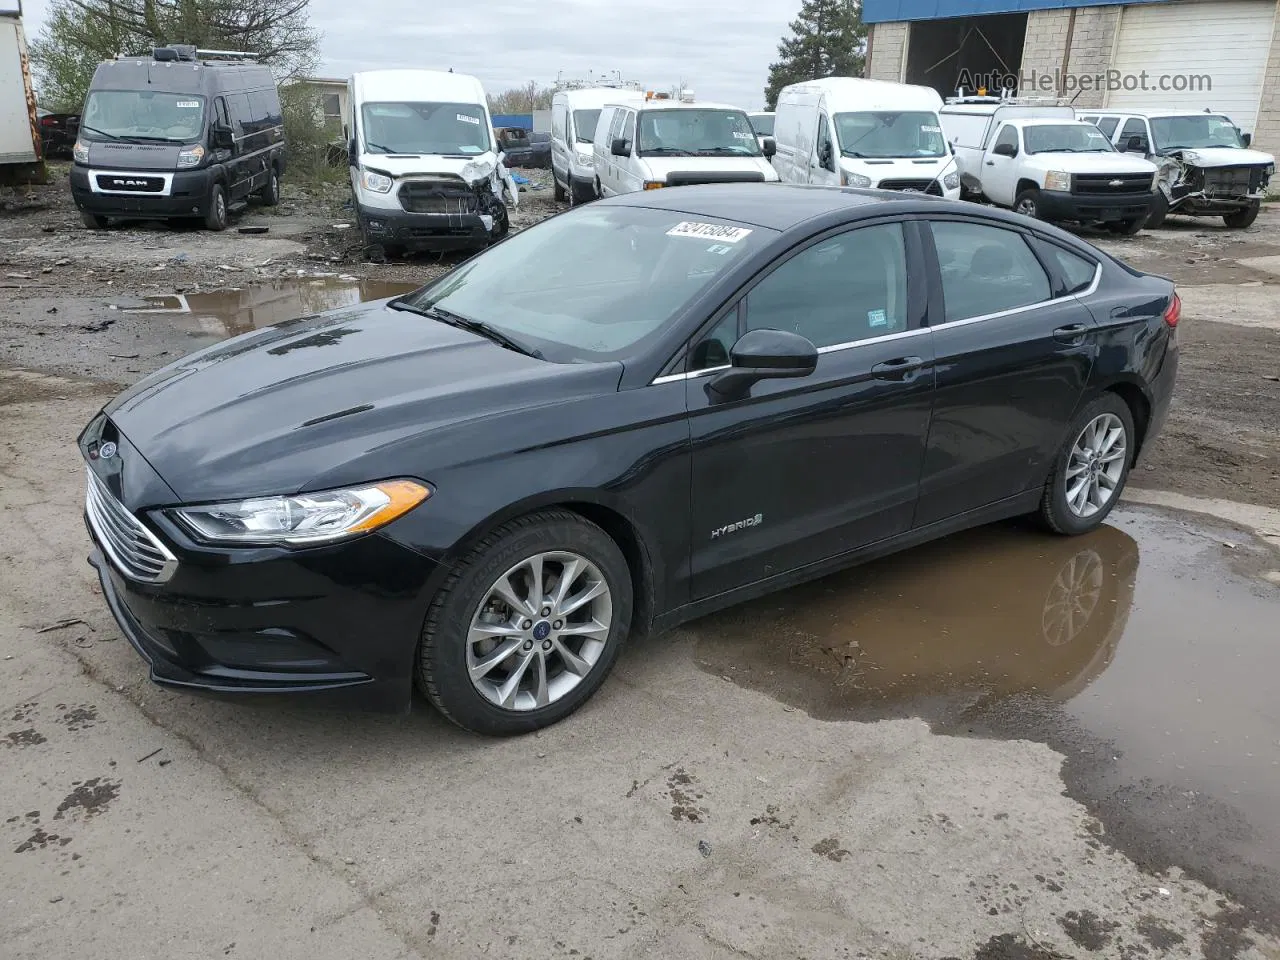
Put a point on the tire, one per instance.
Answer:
(1243, 218)
(217, 216)
(443, 670)
(1127, 227)
(579, 195)
(270, 194)
(92, 220)
(501, 225)
(1159, 210)
(1059, 515)
(1027, 203)
(560, 192)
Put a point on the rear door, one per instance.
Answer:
(1014, 349)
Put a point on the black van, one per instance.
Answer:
(180, 134)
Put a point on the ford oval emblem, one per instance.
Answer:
(107, 450)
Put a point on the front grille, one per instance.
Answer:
(130, 183)
(131, 547)
(1233, 181)
(422, 197)
(1104, 184)
(686, 178)
(919, 186)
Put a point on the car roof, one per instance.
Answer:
(776, 206)
(1189, 112)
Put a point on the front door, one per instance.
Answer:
(1000, 173)
(1013, 361)
(802, 470)
(825, 162)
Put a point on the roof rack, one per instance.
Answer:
(188, 53)
(1006, 98)
(611, 81)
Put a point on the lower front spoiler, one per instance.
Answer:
(430, 232)
(354, 691)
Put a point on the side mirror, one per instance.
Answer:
(353, 152)
(221, 137)
(1246, 139)
(764, 355)
(824, 155)
(1136, 144)
(1005, 150)
(770, 148)
(620, 147)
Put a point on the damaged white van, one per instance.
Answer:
(426, 172)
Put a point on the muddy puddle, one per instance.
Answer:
(1147, 653)
(225, 313)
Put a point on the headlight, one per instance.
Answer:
(1190, 156)
(308, 518)
(191, 156)
(1057, 180)
(584, 152)
(1271, 169)
(80, 152)
(374, 181)
(854, 180)
(951, 181)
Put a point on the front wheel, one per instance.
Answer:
(216, 218)
(1028, 203)
(1159, 210)
(1243, 218)
(1127, 227)
(528, 625)
(560, 193)
(92, 220)
(1091, 468)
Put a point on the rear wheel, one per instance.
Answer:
(217, 216)
(270, 194)
(1028, 203)
(92, 220)
(1091, 468)
(528, 625)
(1243, 218)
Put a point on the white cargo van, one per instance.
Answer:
(574, 115)
(845, 131)
(660, 142)
(426, 172)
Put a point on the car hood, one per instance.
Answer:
(134, 156)
(278, 409)
(1226, 157)
(1091, 162)
(470, 169)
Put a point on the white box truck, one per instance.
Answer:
(19, 132)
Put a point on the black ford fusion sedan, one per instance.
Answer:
(627, 416)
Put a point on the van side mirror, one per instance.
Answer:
(1246, 139)
(620, 147)
(1136, 144)
(353, 152)
(764, 355)
(221, 137)
(770, 148)
(1005, 150)
(825, 156)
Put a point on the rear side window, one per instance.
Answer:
(986, 270)
(1108, 125)
(260, 106)
(1076, 270)
(241, 114)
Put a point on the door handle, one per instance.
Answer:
(991, 163)
(1071, 333)
(897, 369)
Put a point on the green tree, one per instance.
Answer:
(79, 34)
(828, 39)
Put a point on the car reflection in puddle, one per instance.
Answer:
(1001, 610)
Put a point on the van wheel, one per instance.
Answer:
(270, 194)
(92, 220)
(501, 224)
(216, 218)
(1159, 210)
(579, 195)
(561, 194)
(1243, 218)
(1028, 203)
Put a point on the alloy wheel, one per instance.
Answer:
(1027, 207)
(539, 631)
(1096, 465)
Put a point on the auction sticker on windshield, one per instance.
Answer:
(708, 231)
(189, 104)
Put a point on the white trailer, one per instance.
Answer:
(19, 132)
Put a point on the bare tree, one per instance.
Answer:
(524, 99)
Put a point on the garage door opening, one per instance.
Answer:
(969, 52)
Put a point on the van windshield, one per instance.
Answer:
(416, 128)
(584, 125)
(1065, 138)
(697, 133)
(885, 134)
(143, 115)
(1201, 130)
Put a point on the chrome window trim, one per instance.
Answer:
(1087, 291)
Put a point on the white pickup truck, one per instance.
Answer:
(1057, 168)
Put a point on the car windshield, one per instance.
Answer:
(591, 284)
(418, 128)
(762, 123)
(1197, 130)
(883, 134)
(1065, 138)
(698, 133)
(584, 125)
(143, 115)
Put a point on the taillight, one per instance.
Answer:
(1173, 312)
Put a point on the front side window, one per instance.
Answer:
(1065, 138)
(986, 270)
(1008, 137)
(143, 115)
(885, 134)
(850, 287)
(593, 283)
(416, 128)
(629, 127)
(1198, 131)
(824, 151)
(697, 133)
(1133, 127)
(584, 125)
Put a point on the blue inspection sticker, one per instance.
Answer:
(877, 318)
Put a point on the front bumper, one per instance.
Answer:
(339, 623)
(186, 195)
(1089, 208)
(423, 231)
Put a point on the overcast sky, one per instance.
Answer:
(721, 50)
